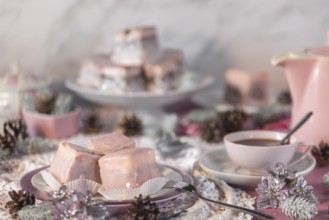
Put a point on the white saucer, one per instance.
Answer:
(216, 163)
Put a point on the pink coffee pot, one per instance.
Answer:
(307, 74)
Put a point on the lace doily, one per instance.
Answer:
(223, 192)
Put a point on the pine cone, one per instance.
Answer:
(212, 131)
(298, 208)
(16, 128)
(19, 200)
(13, 130)
(7, 144)
(321, 154)
(44, 103)
(233, 120)
(91, 123)
(232, 95)
(131, 125)
(143, 209)
(284, 98)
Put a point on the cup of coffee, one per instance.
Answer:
(258, 149)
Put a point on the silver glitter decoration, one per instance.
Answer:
(283, 189)
(169, 123)
(271, 191)
(299, 208)
(300, 188)
(34, 145)
(36, 212)
(27, 102)
(280, 172)
(76, 205)
(63, 104)
(158, 127)
(171, 146)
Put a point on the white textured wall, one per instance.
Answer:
(51, 36)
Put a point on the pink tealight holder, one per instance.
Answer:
(52, 126)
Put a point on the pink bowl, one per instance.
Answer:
(51, 126)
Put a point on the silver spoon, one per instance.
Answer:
(190, 188)
(299, 124)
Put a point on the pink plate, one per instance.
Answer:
(115, 207)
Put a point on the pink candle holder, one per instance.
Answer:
(52, 126)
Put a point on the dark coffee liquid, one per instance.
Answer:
(258, 142)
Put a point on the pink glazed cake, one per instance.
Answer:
(72, 161)
(242, 87)
(111, 142)
(136, 63)
(128, 168)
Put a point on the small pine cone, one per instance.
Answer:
(143, 209)
(19, 200)
(232, 95)
(7, 144)
(44, 103)
(321, 154)
(233, 120)
(212, 131)
(131, 125)
(91, 123)
(284, 98)
(298, 208)
(15, 127)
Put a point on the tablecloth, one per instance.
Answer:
(13, 170)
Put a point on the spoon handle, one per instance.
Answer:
(306, 117)
(190, 188)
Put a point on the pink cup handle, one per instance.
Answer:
(308, 146)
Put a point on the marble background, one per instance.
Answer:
(52, 36)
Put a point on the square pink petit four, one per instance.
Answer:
(128, 168)
(72, 162)
(111, 142)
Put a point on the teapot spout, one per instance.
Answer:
(298, 69)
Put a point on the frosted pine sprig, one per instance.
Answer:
(298, 208)
(36, 212)
(325, 181)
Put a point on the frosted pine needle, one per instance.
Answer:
(298, 208)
